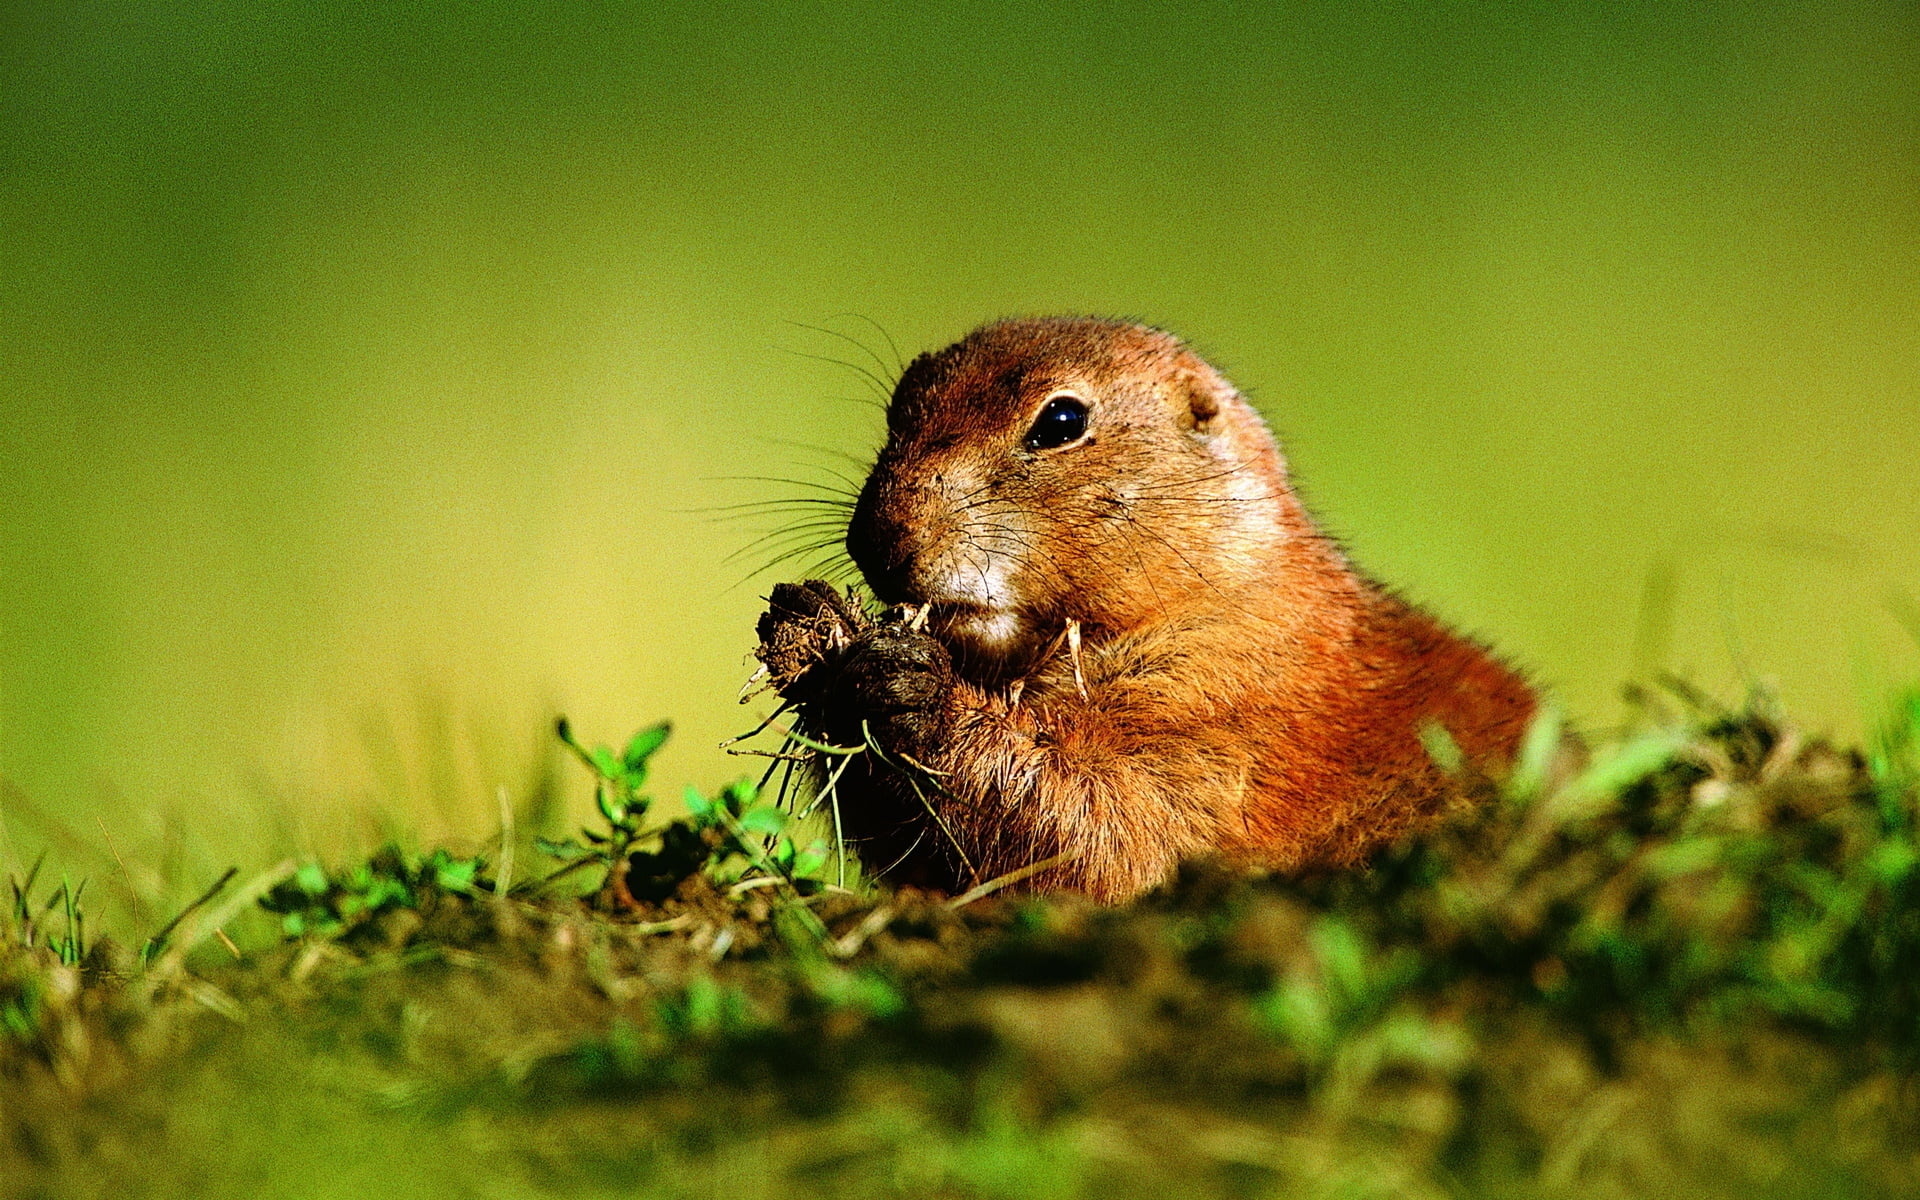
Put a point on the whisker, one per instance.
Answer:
(856, 343)
(812, 541)
(830, 567)
(851, 493)
(798, 505)
(789, 543)
(853, 460)
(851, 484)
(899, 360)
(881, 386)
(787, 549)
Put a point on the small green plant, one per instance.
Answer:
(732, 837)
(1347, 985)
(32, 921)
(670, 1044)
(44, 939)
(1893, 760)
(316, 902)
(617, 783)
(22, 1007)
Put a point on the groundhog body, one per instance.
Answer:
(1118, 638)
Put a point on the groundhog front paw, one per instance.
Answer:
(806, 628)
(893, 683)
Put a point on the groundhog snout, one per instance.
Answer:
(882, 542)
(923, 544)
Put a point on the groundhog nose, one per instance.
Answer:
(881, 545)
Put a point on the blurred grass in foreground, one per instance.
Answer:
(1692, 970)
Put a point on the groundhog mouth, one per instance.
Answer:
(986, 632)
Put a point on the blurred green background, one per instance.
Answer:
(368, 374)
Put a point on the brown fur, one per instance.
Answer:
(1239, 687)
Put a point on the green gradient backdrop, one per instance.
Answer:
(361, 372)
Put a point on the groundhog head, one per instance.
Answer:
(1040, 472)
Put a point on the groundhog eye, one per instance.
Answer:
(1063, 420)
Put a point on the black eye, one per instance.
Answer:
(1063, 420)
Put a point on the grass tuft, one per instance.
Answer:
(1690, 967)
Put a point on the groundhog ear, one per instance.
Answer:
(1203, 402)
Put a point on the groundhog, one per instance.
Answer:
(1116, 638)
